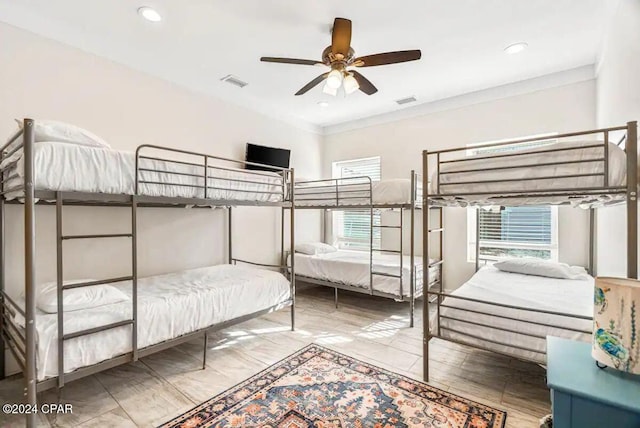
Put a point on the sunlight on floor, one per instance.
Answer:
(387, 328)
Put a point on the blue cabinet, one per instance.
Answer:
(584, 396)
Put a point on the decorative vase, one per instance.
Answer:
(616, 324)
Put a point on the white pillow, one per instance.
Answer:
(531, 266)
(315, 248)
(76, 299)
(60, 132)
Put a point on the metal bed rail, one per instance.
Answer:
(438, 328)
(350, 192)
(594, 153)
(10, 147)
(210, 177)
(436, 193)
(12, 333)
(335, 192)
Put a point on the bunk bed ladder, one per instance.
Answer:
(439, 229)
(399, 276)
(62, 287)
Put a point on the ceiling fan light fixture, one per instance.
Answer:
(334, 79)
(350, 84)
(329, 90)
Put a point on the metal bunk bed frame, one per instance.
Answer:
(630, 195)
(336, 194)
(22, 342)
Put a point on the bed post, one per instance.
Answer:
(29, 268)
(592, 241)
(371, 237)
(134, 260)
(412, 264)
(2, 271)
(401, 253)
(426, 334)
(292, 244)
(477, 238)
(283, 259)
(632, 199)
(230, 234)
(60, 292)
(2, 275)
(204, 350)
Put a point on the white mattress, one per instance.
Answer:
(168, 306)
(493, 285)
(352, 268)
(617, 176)
(71, 167)
(383, 192)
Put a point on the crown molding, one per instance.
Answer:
(562, 78)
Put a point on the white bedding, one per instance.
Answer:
(617, 176)
(168, 306)
(383, 192)
(490, 284)
(352, 268)
(71, 167)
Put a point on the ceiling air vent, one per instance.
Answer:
(232, 80)
(407, 100)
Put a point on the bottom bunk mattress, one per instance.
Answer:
(169, 306)
(568, 296)
(350, 267)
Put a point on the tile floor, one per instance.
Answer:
(156, 388)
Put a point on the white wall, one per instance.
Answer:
(40, 78)
(561, 109)
(618, 101)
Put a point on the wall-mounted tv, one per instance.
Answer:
(267, 156)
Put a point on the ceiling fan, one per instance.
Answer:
(340, 56)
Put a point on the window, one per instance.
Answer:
(527, 231)
(352, 227)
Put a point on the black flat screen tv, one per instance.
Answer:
(266, 156)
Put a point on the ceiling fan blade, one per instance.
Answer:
(387, 58)
(365, 85)
(341, 37)
(311, 84)
(290, 61)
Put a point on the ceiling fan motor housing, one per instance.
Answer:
(340, 56)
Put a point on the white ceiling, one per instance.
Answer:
(200, 41)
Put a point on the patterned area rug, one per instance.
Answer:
(320, 388)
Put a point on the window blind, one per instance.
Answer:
(369, 167)
(352, 228)
(517, 232)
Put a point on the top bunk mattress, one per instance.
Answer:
(384, 192)
(504, 178)
(75, 168)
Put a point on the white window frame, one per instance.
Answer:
(337, 218)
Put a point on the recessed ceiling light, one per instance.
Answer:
(516, 48)
(149, 14)
(323, 104)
